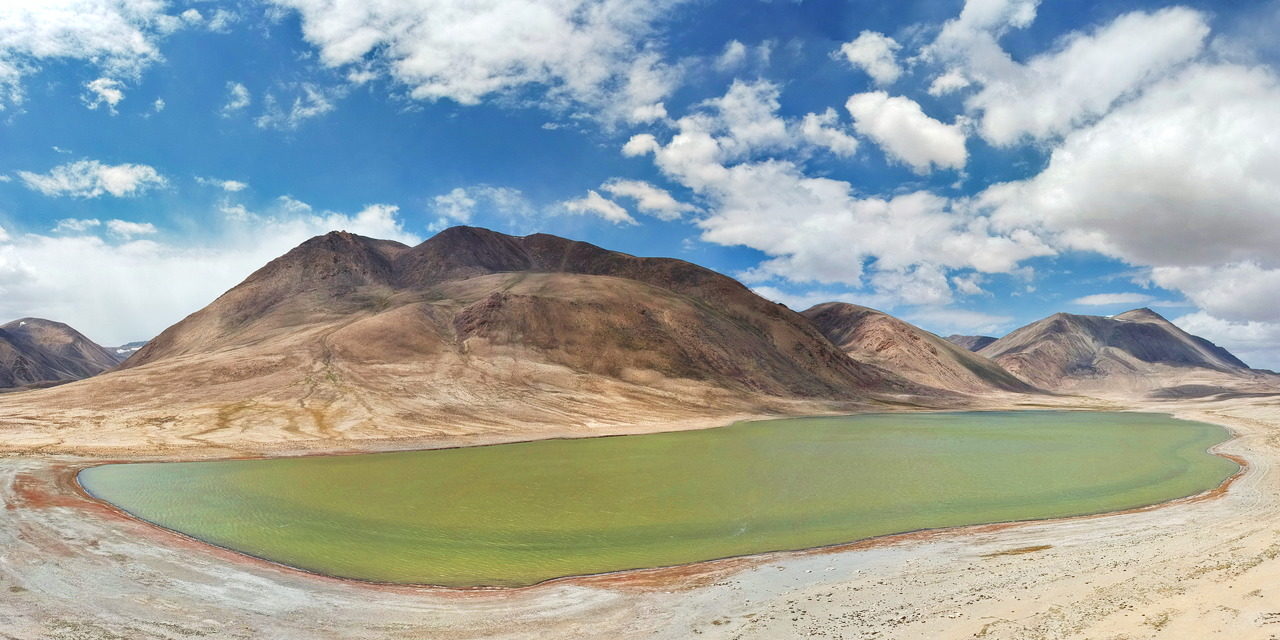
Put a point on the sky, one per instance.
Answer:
(970, 166)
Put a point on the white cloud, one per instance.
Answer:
(874, 53)
(950, 82)
(648, 198)
(1053, 93)
(238, 97)
(222, 20)
(598, 205)
(456, 206)
(640, 144)
(587, 52)
(459, 205)
(312, 101)
(118, 38)
(1108, 299)
(734, 54)
(1256, 343)
(90, 179)
(95, 283)
(823, 130)
(1243, 291)
(231, 186)
(128, 230)
(969, 284)
(817, 229)
(119, 228)
(748, 115)
(902, 129)
(76, 225)
(103, 91)
(1183, 175)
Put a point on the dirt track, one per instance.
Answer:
(70, 568)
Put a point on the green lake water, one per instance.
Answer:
(517, 514)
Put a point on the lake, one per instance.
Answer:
(518, 514)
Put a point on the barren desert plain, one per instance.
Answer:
(1197, 567)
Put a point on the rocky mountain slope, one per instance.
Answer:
(472, 335)
(871, 336)
(972, 343)
(1135, 351)
(34, 351)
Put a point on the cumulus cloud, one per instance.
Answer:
(823, 130)
(1256, 343)
(1182, 175)
(816, 229)
(1054, 92)
(1243, 291)
(91, 179)
(950, 82)
(104, 91)
(652, 200)
(119, 38)
(598, 205)
(902, 129)
(874, 53)
(459, 205)
(238, 97)
(92, 281)
(1108, 299)
(585, 52)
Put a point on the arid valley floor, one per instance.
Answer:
(1202, 567)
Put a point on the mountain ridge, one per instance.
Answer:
(873, 336)
(1135, 350)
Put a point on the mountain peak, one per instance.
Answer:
(1142, 314)
(1135, 349)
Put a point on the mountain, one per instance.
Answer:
(972, 343)
(1134, 351)
(34, 351)
(476, 336)
(122, 352)
(871, 336)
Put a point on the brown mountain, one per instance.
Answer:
(972, 343)
(1133, 351)
(871, 336)
(473, 335)
(34, 351)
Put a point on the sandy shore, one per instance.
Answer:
(72, 568)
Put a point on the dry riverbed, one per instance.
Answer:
(1209, 567)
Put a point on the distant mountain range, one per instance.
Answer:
(478, 332)
(972, 343)
(872, 336)
(1135, 351)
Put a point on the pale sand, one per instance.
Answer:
(70, 568)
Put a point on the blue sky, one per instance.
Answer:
(970, 166)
